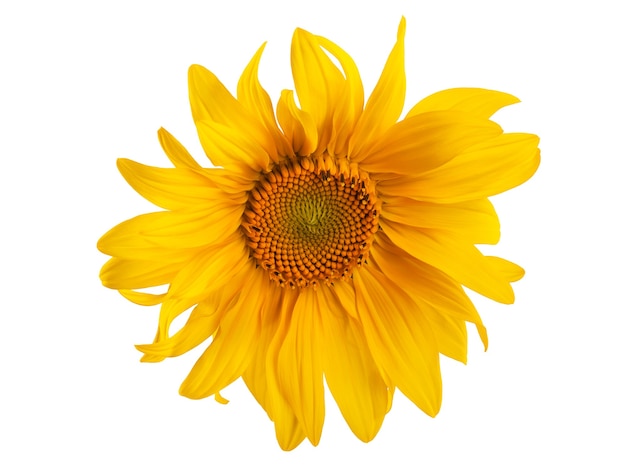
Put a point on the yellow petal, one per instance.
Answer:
(175, 151)
(399, 338)
(510, 271)
(142, 298)
(344, 292)
(202, 323)
(227, 181)
(484, 170)
(426, 141)
(289, 432)
(450, 334)
(349, 102)
(211, 101)
(477, 101)
(299, 126)
(261, 379)
(475, 221)
(460, 259)
(210, 270)
(232, 149)
(171, 188)
(214, 306)
(170, 235)
(350, 371)
(255, 99)
(300, 365)
(138, 274)
(255, 376)
(385, 104)
(217, 267)
(425, 284)
(233, 346)
(319, 83)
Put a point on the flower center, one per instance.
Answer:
(311, 220)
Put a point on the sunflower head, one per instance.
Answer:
(325, 241)
(311, 220)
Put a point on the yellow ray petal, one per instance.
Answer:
(475, 221)
(289, 432)
(255, 99)
(172, 188)
(202, 323)
(350, 371)
(450, 333)
(399, 338)
(210, 270)
(261, 379)
(424, 283)
(344, 292)
(255, 376)
(300, 365)
(349, 101)
(490, 168)
(211, 101)
(477, 101)
(298, 126)
(318, 82)
(426, 141)
(232, 149)
(509, 270)
(227, 181)
(213, 306)
(156, 235)
(175, 151)
(138, 274)
(233, 346)
(385, 104)
(142, 298)
(460, 259)
(217, 267)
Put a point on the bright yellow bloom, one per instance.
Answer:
(329, 243)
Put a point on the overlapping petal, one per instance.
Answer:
(299, 126)
(426, 141)
(318, 82)
(460, 259)
(400, 339)
(255, 99)
(300, 365)
(351, 373)
(174, 188)
(349, 105)
(233, 345)
(425, 283)
(155, 235)
(213, 105)
(386, 102)
(485, 169)
(475, 221)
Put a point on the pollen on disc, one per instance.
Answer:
(311, 221)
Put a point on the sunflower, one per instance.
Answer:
(329, 241)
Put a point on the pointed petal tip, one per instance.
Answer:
(194, 69)
(402, 28)
(220, 399)
(123, 164)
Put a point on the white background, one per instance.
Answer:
(83, 83)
